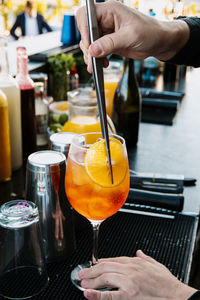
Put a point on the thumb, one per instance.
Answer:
(141, 254)
(107, 44)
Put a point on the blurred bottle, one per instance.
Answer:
(41, 77)
(27, 103)
(41, 112)
(73, 79)
(5, 155)
(150, 71)
(127, 105)
(11, 89)
(138, 67)
(170, 76)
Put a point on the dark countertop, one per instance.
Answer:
(174, 149)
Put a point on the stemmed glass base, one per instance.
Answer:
(74, 274)
(76, 280)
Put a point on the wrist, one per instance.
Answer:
(195, 296)
(184, 292)
(175, 35)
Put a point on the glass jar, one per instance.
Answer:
(83, 112)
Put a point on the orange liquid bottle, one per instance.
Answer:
(5, 154)
(110, 88)
(112, 77)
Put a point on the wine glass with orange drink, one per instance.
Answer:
(88, 183)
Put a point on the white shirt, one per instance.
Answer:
(31, 26)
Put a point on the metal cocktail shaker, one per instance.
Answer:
(45, 175)
(61, 142)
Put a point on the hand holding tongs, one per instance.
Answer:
(97, 68)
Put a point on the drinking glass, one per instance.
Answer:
(23, 272)
(83, 111)
(89, 187)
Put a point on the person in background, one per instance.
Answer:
(128, 32)
(30, 22)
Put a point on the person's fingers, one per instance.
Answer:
(104, 265)
(89, 63)
(106, 295)
(110, 43)
(85, 51)
(120, 259)
(107, 280)
(141, 254)
(81, 17)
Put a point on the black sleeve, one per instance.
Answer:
(195, 296)
(46, 25)
(190, 54)
(14, 27)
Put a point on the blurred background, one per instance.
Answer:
(53, 10)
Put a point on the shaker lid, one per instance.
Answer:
(62, 138)
(46, 158)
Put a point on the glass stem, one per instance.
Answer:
(95, 227)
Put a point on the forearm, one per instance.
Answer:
(172, 37)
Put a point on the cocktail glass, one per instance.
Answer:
(88, 183)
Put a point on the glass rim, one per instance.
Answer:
(82, 106)
(79, 143)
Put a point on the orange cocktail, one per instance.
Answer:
(81, 124)
(88, 183)
(89, 186)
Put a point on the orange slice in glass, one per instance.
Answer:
(96, 163)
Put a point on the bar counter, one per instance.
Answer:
(161, 149)
(49, 42)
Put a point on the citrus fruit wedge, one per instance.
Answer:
(96, 163)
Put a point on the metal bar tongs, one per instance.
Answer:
(97, 68)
